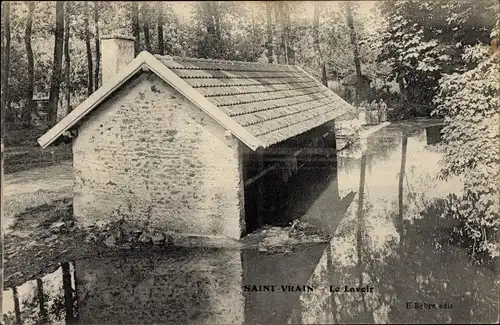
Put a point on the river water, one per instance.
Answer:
(390, 259)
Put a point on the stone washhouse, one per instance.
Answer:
(184, 145)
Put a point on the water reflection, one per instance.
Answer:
(47, 300)
(394, 239)
(383, 208)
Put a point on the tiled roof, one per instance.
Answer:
(272, 102)
(261, 104)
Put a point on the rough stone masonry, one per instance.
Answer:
(151, 157)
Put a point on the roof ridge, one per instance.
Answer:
(192, 59)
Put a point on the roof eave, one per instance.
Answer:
(92, 101)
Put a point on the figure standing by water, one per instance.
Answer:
(383, 111)
(362, 113)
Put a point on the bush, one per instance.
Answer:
(469, 103)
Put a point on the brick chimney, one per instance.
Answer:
(116, 52)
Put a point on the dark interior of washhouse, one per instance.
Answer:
(278, 179)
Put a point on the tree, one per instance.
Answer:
(362, 85)
(90, 79)
(161, 43)
(210, 45)
(57, 62)
(411, 51)
(97, 45)
(269, 42)
(5, 63)
(136, 27)
(285, 51)
(425, 39)
(287, 39)
(317, 48)
(245, 36)
(354, 42)
(281, 50)
(469, 103)
(67, 59)
(146, 25)
(31, 65)
(254, 39)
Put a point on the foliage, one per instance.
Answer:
(469, 102)
(425, 39)
(221, 30)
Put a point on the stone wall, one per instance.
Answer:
(151, 157)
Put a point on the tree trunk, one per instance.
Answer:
(5, 64)
(315, 31)
(17, 308)
(402, 169)
(30, 106)
(218, 34)
(136, 27)
(352, 34)
(402, 95)
(90, 79)
(145, 17)
(68, 294)
(56, 79)
(284, 51)
(211, 47)
(331, 270)
(161, 44)
(41, 301)
(289, 52)
(97, 46)
(399, 223)
(254, 41)
(360, 228)
(269, 43)
(278, 18)
(67, 60)
(324, 78)
(317, 48)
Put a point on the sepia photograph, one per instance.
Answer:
(250, 162)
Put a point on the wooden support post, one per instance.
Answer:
(260, 197)
(334, 135)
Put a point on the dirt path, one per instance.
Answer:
(32, 188)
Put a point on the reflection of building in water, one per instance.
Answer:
(201, 286)
(317, 307)
(197, 286)
(294, 269)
